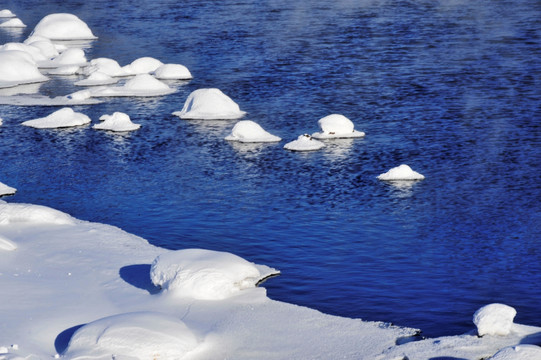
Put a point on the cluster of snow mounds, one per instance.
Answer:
(6, 190)
(336, 126)
(17, 68)
(140, 85)
(205, 274)
(304, 143)
(209, 104)
(519, 352)
(64, 117)
(26, 213)
(401, 173)
(117, 122)
(139, 335)
(248, 131)
(63, 27)
(494, 319)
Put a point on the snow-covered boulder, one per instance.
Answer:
(494, 319)
(107, 66)
(304, 143)
(46, 47)
(13, 23)
(139, 335)
(36, 214)
(6, 244)
(116, 122)
(4, 189)
(518, 352)
(64, 117)
(205, 274)
(172, 72)
(336, 126)
(5, 13)
(63, 26)
(402, 172)
(209, 104)
(70, 57)
(97, 78)
(144, 65)
(18, 67)
(248, 131)
(33, 51)
(140, 85)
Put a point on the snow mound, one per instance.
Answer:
(139, 335)
(144, 65)
(17, 68)
(248, 131)
(172, 72)
(96, 79)
(72, 56)
(64, 117)
(209, 104)
(63, 26)
(46, 48)
(205, 274)
(13, 23)
(304, 143)
(64, 70)
(494, 319)
(402, 172)
(6, 244)
(116, 122)
(27, 213)
(140, 85)
(336, 126)
(519, 352)
(4, 189)
(34, 52)
(107, 66)
(6, 13)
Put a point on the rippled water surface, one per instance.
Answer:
(450, 87)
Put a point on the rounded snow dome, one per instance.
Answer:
(63, 26)
(18, 67)
(519, 352)
(304, 143)
(117, 122)
(248, 131)
(209, 104)
(399, 173)
(494, 319)
(336, 126)
(172, 72)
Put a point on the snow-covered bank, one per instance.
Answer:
(65, 273)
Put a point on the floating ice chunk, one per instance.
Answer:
(18, 67)
(518, 352)
(72, 56)
(139, 335)
(63, 26)
(13, 23)
(6, 13)
(116, 122)
(7, 245)
(209, 104)
(172, 72)
(144, 65)
(27, 213)
(97, 79)
(336, 126)
(4, 189)
(106, 66)
(64, 117)
(304, 143)
(494, 319)
(248, 131)
(140, 85)
(402, 172)
(205, 274)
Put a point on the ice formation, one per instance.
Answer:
(71, 56)
(97, 78)
(402, 172)
(494, 319)
(205, 274)
(63, 26)
(46, 48)
(33, 51)
(248, 131)
(18, 67)
(140, 85)
(34, 214)
(107, 66)
(64, 117)
(304, 143)
(4, 189)
(144, 65)
(518, 352)
(5, 13)
(336, 126)
(209, 104)
(172, 72)
(116, 122)
(137, 335)
(13, 23)
(6, 244)
(64, 70)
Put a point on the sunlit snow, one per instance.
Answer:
(248, 131)
(336, 126)
(172, 72)
(13, 23)
(4, 189)
(64, 117)
(5, 13)
(209, 104)
(63, 26)
(18, 67)
(401, 173)
(118, 121)
(494, 319)
(304, 143)
(140, 85)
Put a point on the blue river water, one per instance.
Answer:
(450, 87)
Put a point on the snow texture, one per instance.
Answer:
(140, 85)
(71, 56)
(97, 78)
(519, 352)
(18, 67)
(401, 173)
(5, 13)
(117, 122)
(35, 214)
(6, 244)
(494, 319)
(107, 66)
(304, 143)
(209, 104)
(4, 189)
(336, 126)
(34, 52)
(13, 23)
(248, 131)
(63, 26)
(62, 118)
(172, 72)
(144, 65)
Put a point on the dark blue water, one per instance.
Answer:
(451, 88)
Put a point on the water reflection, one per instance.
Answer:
(338, 148)
(17, 33)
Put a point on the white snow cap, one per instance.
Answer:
(107, 66)
(33, 51)
(4, 189)
(46, 47)
(205, 274)
(97, 78)
(248, 131)
(64, 117)
(140, 85)
(494, 319)
(13, 23)
(304, 143)
(172, 72)
(18, 67)
(6, 13)
(336, 126)
(519, 352)
(144, 65)
(37, 214)
(116, 122)
(209, 104)
(402, 172)
(139, 335)
(63, 26)
(72, 56)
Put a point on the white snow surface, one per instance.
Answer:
(140, 85)
(209, 104)
(62, 26)
(336, 126)
(97, 78)
(304, 143)
(519, 352)
(62, 118)
(107, 66)
(248, 131)
(71, 56)
(118, 121)
(4, 189)
(17, 68)
(7, 245)
(494, 319)
(401, 173)
(205, 274)
(6, 13)
(172, 72)
(144, 65)
(75, 273)
(13, 23)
